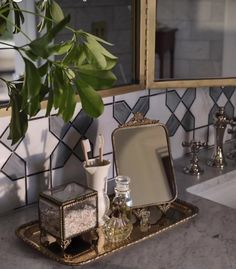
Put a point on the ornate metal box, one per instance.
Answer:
(67, 211)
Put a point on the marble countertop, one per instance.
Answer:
(206, 241)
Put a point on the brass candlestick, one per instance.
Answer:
(194, 168)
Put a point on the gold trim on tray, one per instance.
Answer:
(97, 247)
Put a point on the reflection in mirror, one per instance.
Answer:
(195, 39)
(142, 152)
(113, 21)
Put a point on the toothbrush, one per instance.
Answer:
(101, 146)
(86, 148)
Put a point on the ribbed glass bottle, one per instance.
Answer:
(119, 226)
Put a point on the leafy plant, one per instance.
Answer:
(80, 65)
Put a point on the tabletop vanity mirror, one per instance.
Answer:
(142, 152)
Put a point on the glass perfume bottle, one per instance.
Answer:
(119, 226)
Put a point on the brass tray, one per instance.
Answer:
(178, 212)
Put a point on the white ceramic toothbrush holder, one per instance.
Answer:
(96, 175)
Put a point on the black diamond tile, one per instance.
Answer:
(7, 142)
(172, 125)
(189, 97)
(229, 110)
(215, 93)
(142, 105)
(212, 113)
(60, 155)
(188, 121)
(121, 112)
(58, 127)
(228, 91)
(14, 168)
(172, 100)
(82, 122)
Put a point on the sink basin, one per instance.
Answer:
(221, 189)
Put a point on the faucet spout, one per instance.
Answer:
(220, 123)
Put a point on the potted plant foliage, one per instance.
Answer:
(56, 71)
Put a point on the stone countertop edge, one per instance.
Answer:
(206, 241)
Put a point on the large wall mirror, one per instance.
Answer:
(191, 43)
(119, 22)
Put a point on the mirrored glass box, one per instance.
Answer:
(67, 211)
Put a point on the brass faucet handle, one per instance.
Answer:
(194, 168)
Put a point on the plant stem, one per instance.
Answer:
(41, 16)
(13, 24)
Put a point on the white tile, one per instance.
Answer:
(131, 98)
(77, 110)
(37, 146)
(201, 107)
(107, 100)
(157, 91)
(211, 136)
(180, 136)
(4, 122)
(201, 134)
(158, 109)
(72, 171)
(180, 91)
(5, 154)
(104, 125)
(222, 100)
(12, 193)
(36, 184)
(233, 101)
(72, 137)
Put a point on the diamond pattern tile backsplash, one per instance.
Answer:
(52, 149)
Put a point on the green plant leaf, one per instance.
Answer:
(4, 10)
(99, 47)
(95, 56)
(56, 12)
(110, 64)
(40, 45)
(43, 69)
(70, 73)
(33, 106)
(91, 101)
(71, 56)
(32, 81)
(98, 79)
(19, 17)
(57, 85)
(50, 103)
(97, 38)
(69, 103)
(60, 49)
(19, 119)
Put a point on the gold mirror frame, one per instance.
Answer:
(151, 6)
(138, 64)
(130, 141)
